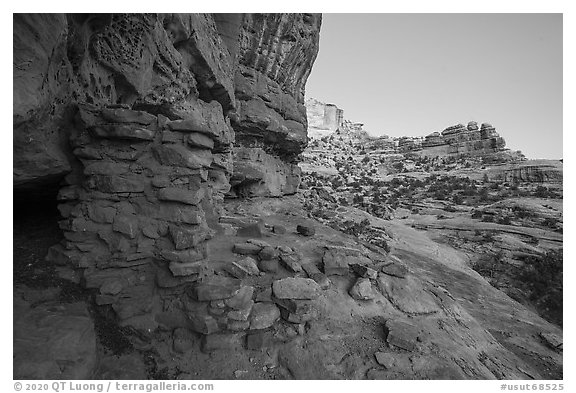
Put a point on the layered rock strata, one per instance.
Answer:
(131, 114)
(275, 58)
(460, 139)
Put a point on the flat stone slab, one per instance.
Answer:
(246, 249)
(401, 334)
(296, 288)
(407, 295)
(395, 269)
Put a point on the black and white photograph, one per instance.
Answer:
(200, 197)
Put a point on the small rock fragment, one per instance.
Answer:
(385, 359)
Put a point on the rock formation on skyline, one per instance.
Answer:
(457, 140)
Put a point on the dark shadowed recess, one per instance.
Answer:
(35, 225)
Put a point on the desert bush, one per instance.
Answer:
(543, 277)
(504, 220)
(487, 218)
(477, 214)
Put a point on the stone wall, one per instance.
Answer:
(130, 115)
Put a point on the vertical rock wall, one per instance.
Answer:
(275, 58)
(130, 114)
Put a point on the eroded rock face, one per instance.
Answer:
(257, 173)
(275, 58)
(130, 114)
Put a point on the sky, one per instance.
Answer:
(413, 74)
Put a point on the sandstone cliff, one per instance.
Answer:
(327, 120)
(275, 58)
(134, 118)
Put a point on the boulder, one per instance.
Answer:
(263, 315)
(279, 229)
(362, 290)
(240, 314)
(268, 253)
(401, 334)
(269, 266)
(249, 265)
(296, 288)
(385, 359)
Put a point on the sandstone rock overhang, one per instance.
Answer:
(138, 118)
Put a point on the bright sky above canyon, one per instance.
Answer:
(412, 74)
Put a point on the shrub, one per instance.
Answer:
(487, 218)
(543, 276)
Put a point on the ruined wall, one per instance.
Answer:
(129, 114)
